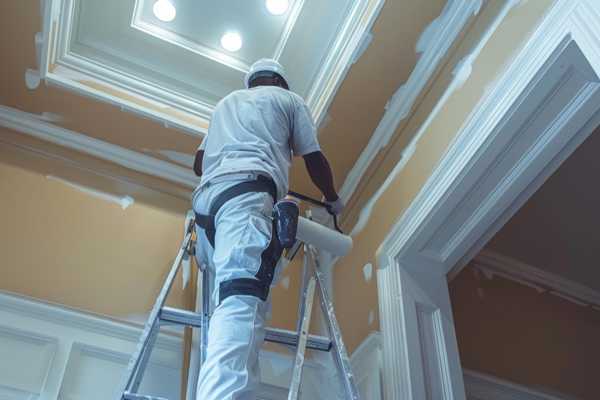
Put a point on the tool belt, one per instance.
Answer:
(262, 184)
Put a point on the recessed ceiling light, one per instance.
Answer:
(231, 41)
(277, 7)
(164, 10)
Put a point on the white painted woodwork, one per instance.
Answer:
(543, 107)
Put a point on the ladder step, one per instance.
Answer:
(132, 396)
(169, 315)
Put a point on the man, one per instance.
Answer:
(244, 163)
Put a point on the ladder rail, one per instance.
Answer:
(298, 363)
(339, 349)
(142, 346)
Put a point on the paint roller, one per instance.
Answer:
(292, 229)
(323, 238)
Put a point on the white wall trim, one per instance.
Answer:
(401, 102)
(480, 386)
(102, 324)
(502, 265)
(31, 125)
(542, 107)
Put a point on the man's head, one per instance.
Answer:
(266, 72)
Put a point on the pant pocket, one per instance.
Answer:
(248, 253)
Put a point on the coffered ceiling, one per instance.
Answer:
(177, 71)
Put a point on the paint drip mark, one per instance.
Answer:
(476, 274)
(285, 282)
(124, 201)
(480, 292)
(368, 271)
(371, 317)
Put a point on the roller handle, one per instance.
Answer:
(327, 207)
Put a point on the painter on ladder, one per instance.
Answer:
(244, 162)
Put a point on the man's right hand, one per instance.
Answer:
(336, 206)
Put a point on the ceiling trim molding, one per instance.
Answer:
(230, 61)
(499, 264)
(27, 123)
(48, 311)
(483, 386)
(342, 55)
(402, 101)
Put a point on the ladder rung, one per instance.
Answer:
(274, 335)
(181, 317)
(132, 396)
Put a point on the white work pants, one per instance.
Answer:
(237, 326)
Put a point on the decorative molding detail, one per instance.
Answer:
(510, 268)
(44, 310)
(480, 386)
(345, 51)
(30, 125)
(400, 104)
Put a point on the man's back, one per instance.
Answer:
(258, 129)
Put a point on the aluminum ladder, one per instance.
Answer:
(161, 316)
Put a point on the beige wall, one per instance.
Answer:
(354, 298)
(511, 331)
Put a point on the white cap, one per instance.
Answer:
(266, 67)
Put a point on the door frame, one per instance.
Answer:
(491, 169)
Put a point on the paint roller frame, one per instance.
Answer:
(327, 207)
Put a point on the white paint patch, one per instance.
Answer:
(569, 298)
(180, 158)
(32, 78)
(124, 201)
(476, 273)
(279, 364)
(430, 33)
(480, 292)
(364, 43)
(371, 317)
(285, 282)
(368, 271)
(365, 213)
(323, 124)
(50, 117)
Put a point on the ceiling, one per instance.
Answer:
(558, 228)
(121, 52)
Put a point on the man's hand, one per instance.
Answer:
(336, 206)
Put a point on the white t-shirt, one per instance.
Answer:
(258, 129)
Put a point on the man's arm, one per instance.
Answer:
(198, 162)
(320, 173)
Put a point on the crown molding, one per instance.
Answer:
(499, 264)
(29, 124)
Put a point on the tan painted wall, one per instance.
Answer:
(354, 299)
(513, 332)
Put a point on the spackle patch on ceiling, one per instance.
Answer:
(430, 33)
(180, 158)
(371, 317)
(32, 78)
(368, 271)
(323, 124)
(124, 201)
(475, 272)
(285, 282)
(480, 292)
(365, 213)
